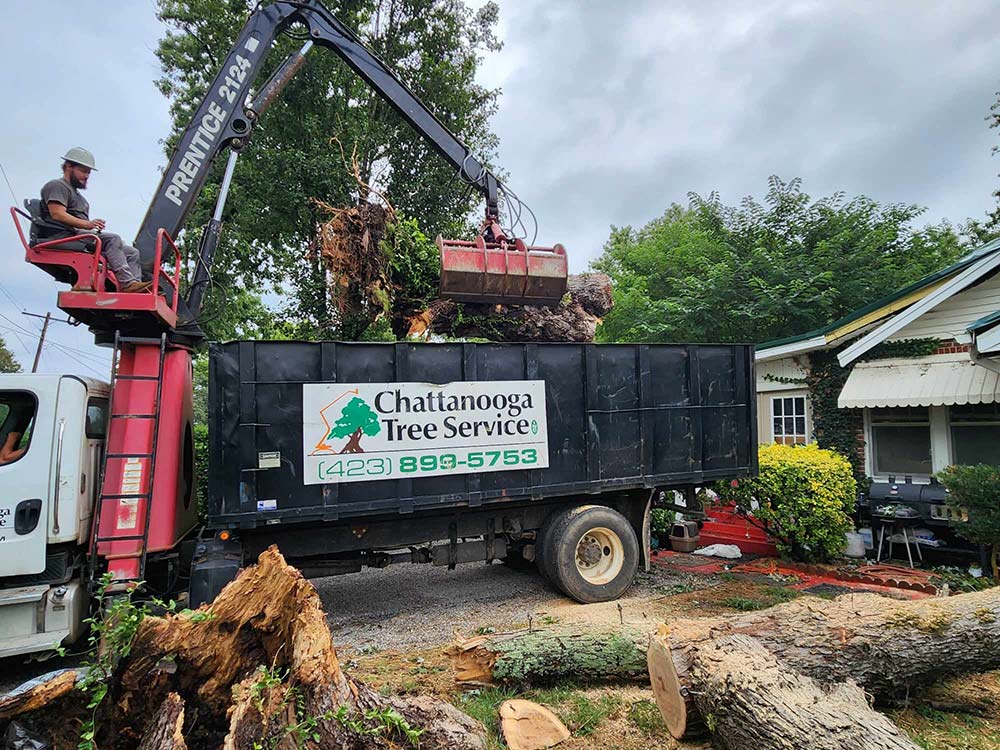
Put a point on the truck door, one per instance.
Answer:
(26, 444)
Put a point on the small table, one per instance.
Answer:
(904, 524)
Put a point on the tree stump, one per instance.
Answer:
(257, 666)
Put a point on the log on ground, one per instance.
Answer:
(540, 657)
(884, 645)
(749, 699)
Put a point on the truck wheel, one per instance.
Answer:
(591, 553)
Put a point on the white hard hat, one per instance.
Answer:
(81, 156)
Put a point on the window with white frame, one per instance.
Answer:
(788, 420)
(901, 440)
(975, 434)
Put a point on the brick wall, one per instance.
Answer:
(859, 440)
(952, 347)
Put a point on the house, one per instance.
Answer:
(922, 368)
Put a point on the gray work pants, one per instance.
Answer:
(122, 259)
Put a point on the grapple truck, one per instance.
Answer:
(345, 455)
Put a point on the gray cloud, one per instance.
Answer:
(609, 113)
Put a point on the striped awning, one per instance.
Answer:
(939, 380)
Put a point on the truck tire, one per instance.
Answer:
(542, 556)
(591, 553)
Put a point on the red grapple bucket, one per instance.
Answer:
(502, 273)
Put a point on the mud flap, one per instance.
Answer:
(215, 563)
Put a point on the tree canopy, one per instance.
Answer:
(357, 416)
(434, 46)
(7, 361)
(761, 271)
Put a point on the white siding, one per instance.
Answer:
(950, 319)
(787, 368)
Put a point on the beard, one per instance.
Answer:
(77, 184)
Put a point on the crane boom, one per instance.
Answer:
(227, 115)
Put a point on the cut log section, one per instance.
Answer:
(254, 667)
(575, 318)
(667, 688)
(749, 699)
(529, 726)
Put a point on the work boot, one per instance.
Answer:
(136, 286)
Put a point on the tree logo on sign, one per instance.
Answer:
(356, 419)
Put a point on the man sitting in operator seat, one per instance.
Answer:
(63, 204)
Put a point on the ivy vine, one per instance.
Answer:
(835, 428)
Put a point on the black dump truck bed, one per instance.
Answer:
(327, 431)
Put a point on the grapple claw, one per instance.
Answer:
(502, 272)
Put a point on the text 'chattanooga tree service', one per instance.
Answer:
(355, 432)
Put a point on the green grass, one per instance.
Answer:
(646, 716)
(744, 604)
(766, 597)
(780, 594)
(581, 713)
(484, 706)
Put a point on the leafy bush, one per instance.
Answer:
(976, 489)
(802, 497)
(200, 432)
(660, 522)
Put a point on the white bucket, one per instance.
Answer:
(855, 545)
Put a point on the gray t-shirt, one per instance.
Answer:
(62, 192)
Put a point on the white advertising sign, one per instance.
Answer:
(357, 432)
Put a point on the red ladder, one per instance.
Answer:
(129, 467)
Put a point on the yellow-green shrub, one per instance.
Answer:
(804, 498)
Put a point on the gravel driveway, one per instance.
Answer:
(421, 606)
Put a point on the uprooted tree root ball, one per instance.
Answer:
(349, 245)
(255, 669)
(575, 318)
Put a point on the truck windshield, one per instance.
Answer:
(17, 417)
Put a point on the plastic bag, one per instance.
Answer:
(19, 737)
(728, 551)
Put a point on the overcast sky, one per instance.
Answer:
(609, 113)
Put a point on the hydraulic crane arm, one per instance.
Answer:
(226, 117)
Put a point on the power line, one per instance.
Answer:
(10, 296)
(7, 180)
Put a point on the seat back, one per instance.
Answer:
(43, 229)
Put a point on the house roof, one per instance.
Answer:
(984, 323)
(874, 311)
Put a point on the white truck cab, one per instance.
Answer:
(52, 434)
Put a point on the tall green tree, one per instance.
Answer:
(761, 271)
(435, 46)
(7, 361)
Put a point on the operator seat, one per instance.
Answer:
(67, 261)
(40, 227)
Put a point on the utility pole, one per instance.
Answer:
(41, 342)
(41, 339)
